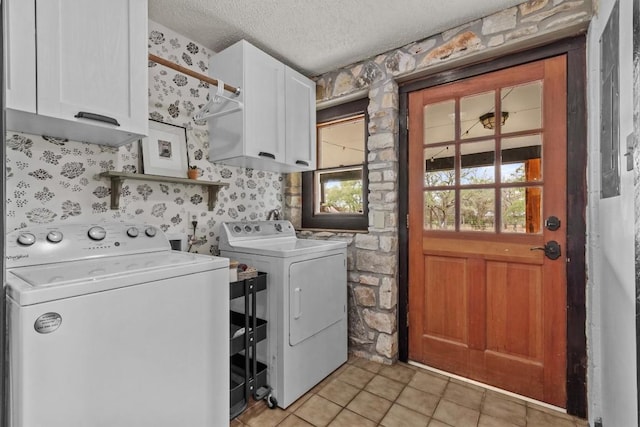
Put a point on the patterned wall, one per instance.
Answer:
(51, 180)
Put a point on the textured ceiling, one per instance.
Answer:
(321, 35)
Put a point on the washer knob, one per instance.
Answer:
(132, 232)
(54, 237)
(150, 231)
(97, 233)
(26, 239)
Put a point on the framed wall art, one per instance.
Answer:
(164, 151)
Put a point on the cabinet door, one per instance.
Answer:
(20, 55)
(92, 57)
(264, 105)
(300, 120)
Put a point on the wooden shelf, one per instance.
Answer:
(118, 177)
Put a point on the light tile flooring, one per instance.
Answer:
(364, 393)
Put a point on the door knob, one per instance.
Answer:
(551, 249)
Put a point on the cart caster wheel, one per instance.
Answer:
(271, 401)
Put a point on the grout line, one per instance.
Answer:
(441, 398)
(484, 397)
(525, 399)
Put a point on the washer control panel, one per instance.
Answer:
(68, 242)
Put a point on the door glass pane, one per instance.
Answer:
(439, 210)
(478, 162)
(475, 115)
(341, 143)
(522, 210)
(522, 159)
(439, 122)
(439, 166)
(477, 210)
(523, 104)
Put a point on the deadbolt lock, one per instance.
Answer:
(552, 223)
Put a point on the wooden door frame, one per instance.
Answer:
(575, 50)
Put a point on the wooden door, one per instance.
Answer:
(487, 191)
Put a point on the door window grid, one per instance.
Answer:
(467, 187)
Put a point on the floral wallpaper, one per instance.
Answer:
(50, 180)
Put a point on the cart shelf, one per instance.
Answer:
(258, 380)
(237, 331)
(237, 289)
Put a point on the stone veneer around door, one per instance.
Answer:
(373, 256)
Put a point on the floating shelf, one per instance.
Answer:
(118, 177)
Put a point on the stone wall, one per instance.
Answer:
(373, 256)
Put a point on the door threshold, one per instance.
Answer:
(488, 387)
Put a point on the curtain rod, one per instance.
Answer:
(183, 70)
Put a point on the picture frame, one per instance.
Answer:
(164, 151)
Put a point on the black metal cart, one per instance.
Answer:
(248, 375)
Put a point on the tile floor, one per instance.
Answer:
(364, 393)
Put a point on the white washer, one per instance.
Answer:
(110, 327)
(305, 304)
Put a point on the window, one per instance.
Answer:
(335, 195)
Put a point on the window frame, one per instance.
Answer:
(337, 221)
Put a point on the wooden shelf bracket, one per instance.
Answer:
(117, 178)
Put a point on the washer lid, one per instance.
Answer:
(29, 285)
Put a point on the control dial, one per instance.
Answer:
(97, 233)
(150, 231)
(132, 232)
(54, 237)
(26, 239)
(237, 228)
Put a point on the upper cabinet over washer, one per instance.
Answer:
(78, 69)
(275, 129)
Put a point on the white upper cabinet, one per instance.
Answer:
(275, 130)
(20, 65)
(90, 69)
(300, 122)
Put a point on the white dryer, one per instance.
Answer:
(305, 304)
(108, 327)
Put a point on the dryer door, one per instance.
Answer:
(317, 295)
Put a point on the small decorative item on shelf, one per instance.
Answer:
(246, 272)
(192, 172)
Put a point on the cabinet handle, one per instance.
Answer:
(96, 117)
(265, 154)
(302, 162)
